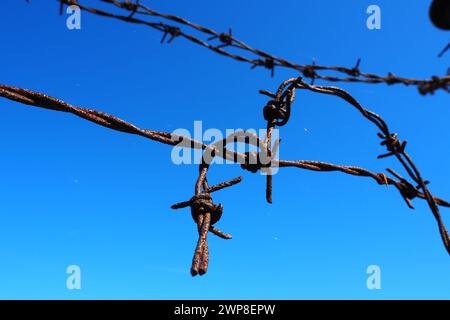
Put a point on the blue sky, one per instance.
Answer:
(76, 193)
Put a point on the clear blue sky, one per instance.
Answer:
(76, 193)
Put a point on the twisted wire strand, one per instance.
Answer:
(390, 140)
(276, 112)
(257, 57)
(285, 94)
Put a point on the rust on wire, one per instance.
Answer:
(276, 113)
(253, 56)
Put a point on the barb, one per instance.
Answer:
(205, 214)
(227, 44)
(443, 51)
(277, 112)
(394, 146)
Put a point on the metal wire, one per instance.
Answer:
(224, 43)
(277, 112)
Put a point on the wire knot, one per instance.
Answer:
(173, 31)
(225, 38)
(309, 72)
(355, 71)
(407, 190)
(273, 112)
(254, 161)
(205, 214)
(268, 63)
(130, 5)
(201, 204)
(431, 86)
(392, 143)
(381, 178)
(391, 79)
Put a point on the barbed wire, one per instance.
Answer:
(222, 42)
(277, 113)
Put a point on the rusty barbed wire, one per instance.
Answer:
(277, 111)
(221, 42)
(205, 214)
(284, 98)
